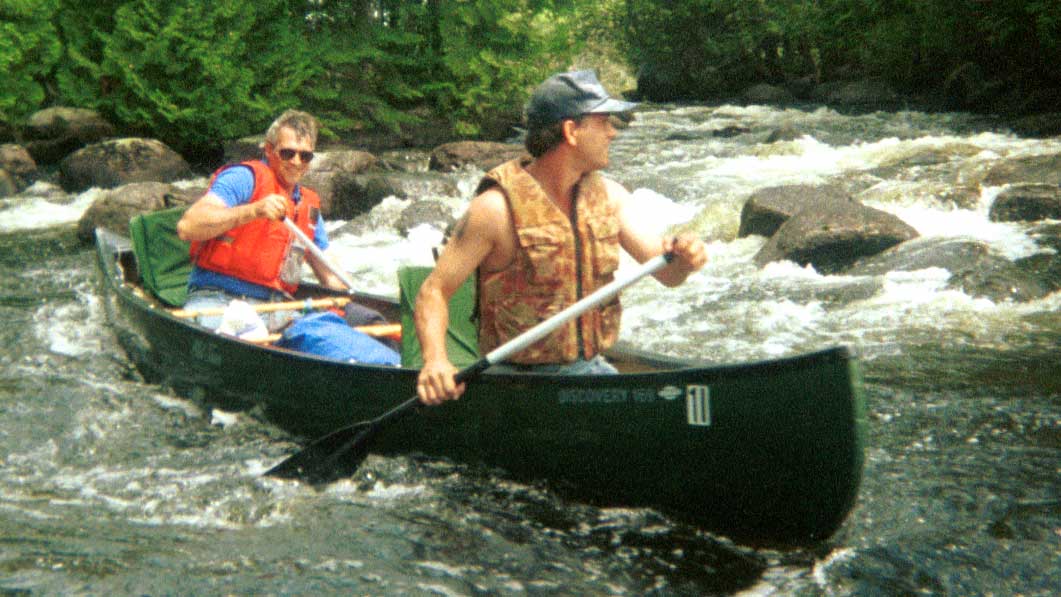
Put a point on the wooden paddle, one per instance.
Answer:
(313, 248)
(339, 453)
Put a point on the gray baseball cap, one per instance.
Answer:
(570, 95)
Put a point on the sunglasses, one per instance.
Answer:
(289, 154)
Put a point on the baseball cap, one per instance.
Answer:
(569, 95)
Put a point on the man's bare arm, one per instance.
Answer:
(210, 217)
(642, 245)
(474, 239)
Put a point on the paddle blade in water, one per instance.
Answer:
(332, 457)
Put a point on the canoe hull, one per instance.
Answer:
(767, 452)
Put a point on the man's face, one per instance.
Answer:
(594, 136)
(298, 153)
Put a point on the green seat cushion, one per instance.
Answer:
(161, 255)
(462, 337)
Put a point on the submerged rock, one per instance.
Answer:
(821, 226)
(1027, 203)
(113, 209)
(975, 269)
(479, 154)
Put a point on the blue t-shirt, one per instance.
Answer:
(234, 186)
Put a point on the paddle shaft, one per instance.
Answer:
(313, 248)
(538, 332)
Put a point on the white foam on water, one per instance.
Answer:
(30, 212)
(222, 418)
(392, 491)
(657, 212)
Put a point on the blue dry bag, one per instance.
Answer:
(327, 335)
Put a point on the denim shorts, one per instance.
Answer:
(210, 298)
(595, 366)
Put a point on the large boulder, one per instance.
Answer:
(975, 269)
(685, 77)
(1027, 203)
(242, 149)
(767, 209)
(483, 155)
(19, 166)
(764, 93)
(864, 94)
(831, 234)
(121, 161)
(354, 195)
(430, 212)
(330, 174)
(113, 209)
(1046, 264)
(53, 133)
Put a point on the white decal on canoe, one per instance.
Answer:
(698, 405)
(592, 395)
(670, 392)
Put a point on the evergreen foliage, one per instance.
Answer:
(29, 49)
(493, 53)
(711, 48)
(196, 72)
(192, 71)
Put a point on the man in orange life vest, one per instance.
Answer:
(240, 246)
(543, 232)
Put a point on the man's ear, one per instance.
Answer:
(568, 127)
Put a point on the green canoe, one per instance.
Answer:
(766, 453)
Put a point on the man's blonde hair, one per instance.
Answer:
(303, 123)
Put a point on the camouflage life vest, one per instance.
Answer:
(553, 269)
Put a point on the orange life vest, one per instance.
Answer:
(257, 251)
(559, 260)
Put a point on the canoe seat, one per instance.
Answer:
(161, 256)
(462, 337)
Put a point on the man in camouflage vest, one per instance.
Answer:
(543, 232)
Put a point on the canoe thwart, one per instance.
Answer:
(324, 303)
(379, 330)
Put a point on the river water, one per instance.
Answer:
(109, 485)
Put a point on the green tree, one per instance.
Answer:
(366, 64)
(78, 78)
(29, 49)
(493, 53)
(196, 71)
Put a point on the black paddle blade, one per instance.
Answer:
(332, 457)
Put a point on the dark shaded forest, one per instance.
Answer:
(193, 72)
